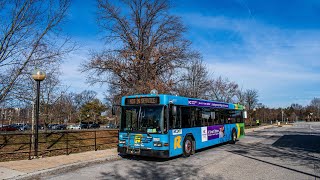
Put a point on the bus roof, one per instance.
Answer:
(165, 99)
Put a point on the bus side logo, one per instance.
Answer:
(177, 142)
(176, 131)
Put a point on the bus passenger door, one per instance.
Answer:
(175, 132)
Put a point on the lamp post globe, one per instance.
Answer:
(38, 75)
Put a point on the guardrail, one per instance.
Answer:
(15, 146)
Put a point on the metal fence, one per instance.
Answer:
(15, 146)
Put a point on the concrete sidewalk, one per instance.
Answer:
(26, 169)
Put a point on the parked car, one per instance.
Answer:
(84, 126)
(94, 126)
(17, 126)
(72, 126)
(52, 126)
(61, 127)
(11, 127)
(110, 125)
(25, 127)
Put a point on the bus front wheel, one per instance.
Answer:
(187, 146)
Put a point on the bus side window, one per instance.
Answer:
(216, 119)
(212, 117)
(241, 117)
(205, 117)
(193, 116)
(175, 121)
(185, 117)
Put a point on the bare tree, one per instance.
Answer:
(240, 95)
(149, 45)
(251, 101)
(82, 98)
(27, 28)
(195, 80)
(251, 98)
(315, 103)
(223, 90)
(53, 93)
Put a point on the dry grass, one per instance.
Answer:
(14, 146)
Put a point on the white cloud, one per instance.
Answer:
(72, 76)
(282, 64)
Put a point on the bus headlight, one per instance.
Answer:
(157, 144)
(122, 141)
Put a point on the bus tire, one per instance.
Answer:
(187, 146)
(233, 137)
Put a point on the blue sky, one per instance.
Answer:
(272, 46)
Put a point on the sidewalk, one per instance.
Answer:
(259, 128)
(26, 169)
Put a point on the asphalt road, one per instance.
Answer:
(275, 153)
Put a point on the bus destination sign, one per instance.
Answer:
(142, 100)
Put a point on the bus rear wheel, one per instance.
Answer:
(187, 146)
(233, 137)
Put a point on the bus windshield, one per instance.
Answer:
(142, 119)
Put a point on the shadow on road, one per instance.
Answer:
(157, 170)
(241, 153)
(310, 143)
(290, 150)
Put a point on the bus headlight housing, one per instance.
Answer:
(122, 141)
(157, 144)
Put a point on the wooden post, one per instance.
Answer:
(67, 142)
(30, 145)
(95, 140)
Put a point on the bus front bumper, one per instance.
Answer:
(144, 152)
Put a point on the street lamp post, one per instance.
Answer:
(253, 115)
(38, 76)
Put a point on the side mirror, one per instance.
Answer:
(245, 114)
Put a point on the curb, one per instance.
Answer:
(65, 168)
(258, 128)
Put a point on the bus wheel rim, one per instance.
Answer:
(188, 146)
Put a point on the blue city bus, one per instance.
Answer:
(164, 126)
